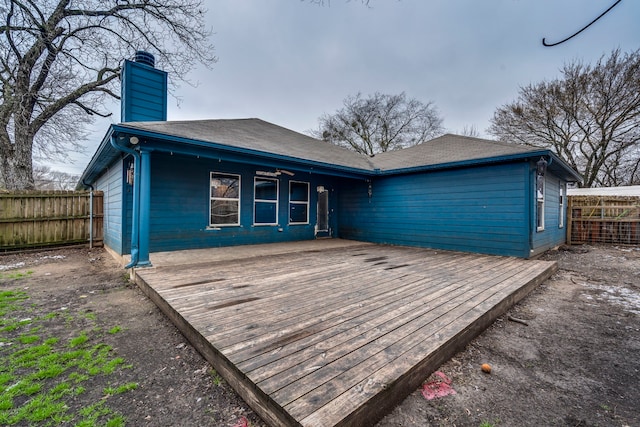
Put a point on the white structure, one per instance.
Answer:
(631, 190)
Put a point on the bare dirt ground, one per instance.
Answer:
(575, 363)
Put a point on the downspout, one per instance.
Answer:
(145, 209)
(135, 234)
(531, 206)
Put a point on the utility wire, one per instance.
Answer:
(544, 42)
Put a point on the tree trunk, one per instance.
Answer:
(17, 166)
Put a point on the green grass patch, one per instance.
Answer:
(115, 330)
(92, 414)
(78, 341)
(42, 375)
(50, 316)
(8, 327)
(77, 377)
(110, 391)
(216, 378)
(16, 275)
(28, 339)
(9, 300)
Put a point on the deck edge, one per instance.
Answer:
(384, 402)
(261, 403)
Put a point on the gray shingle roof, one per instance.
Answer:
(447, 149)
(258, 135)
(255, 136)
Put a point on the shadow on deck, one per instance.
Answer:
(332, 332)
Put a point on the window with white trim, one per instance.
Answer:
(265, 201)
(298, 202)
(225, 199)
(540, 189)
(561, 205)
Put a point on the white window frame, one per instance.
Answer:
(540, 203)
(256, 200)
(297, 202)
(225, 199)
(562, 203)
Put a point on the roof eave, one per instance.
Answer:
(104, 155)
(159, 136)
(568, 173)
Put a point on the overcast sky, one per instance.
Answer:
(288, 62)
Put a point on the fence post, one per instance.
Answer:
(569, 219)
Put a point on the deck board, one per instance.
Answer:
(324, 336)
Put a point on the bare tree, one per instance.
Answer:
(380, 123)
(590, 118)
(46, 178)
(471, 131)
(60, 59)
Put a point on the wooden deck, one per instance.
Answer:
(331, 333)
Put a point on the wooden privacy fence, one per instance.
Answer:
(45, 218)
(604, 219)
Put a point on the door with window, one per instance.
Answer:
(322, 225)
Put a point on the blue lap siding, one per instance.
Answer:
(180, 205)
(485, 205)
(485, 209)
(552, 235)
(479, 209)
(111, 184)
(143, 93)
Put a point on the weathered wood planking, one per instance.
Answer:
(339, 336)
(45, 218)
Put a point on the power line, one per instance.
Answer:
(544, 42)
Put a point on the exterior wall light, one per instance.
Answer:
(130, 174)
(541, 166)
(134, 140)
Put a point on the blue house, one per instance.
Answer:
(174, 185)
